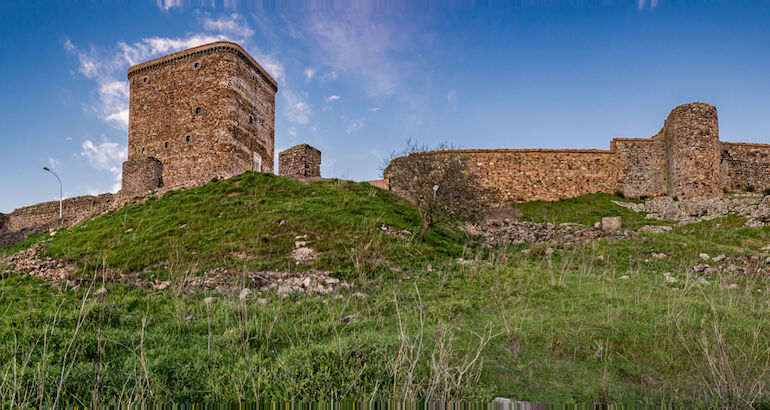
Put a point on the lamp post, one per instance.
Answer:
(61, 198)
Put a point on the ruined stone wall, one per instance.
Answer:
(300, 161)
(745, 166)
(3, 222)
(693, 151)
(549, 175)
(642, 166)
(203, 113)
(141, 175)
(74, 210)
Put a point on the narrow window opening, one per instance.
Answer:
(199, 110)
(197, 65)
(142, 150)
(165, 145)
(187, 138)
(251, 119)
(144, 80)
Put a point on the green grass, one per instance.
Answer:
(585, 210)
(559, 328)
(256, 214)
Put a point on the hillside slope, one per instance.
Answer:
(630, 319)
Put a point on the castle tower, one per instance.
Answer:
(693, 150)
(300, 161)
(202, 113)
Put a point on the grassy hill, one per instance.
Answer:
(597, 321)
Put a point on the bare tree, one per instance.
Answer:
(438, 183)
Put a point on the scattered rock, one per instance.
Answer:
(262, 301)
(732, 286)
(359, 295)
(161, 285)
(719, 258)
(245, 293)
(346, 319)
(703, 281)
(208, 301)
(703, 256)
(303, 254)
(624, 277)
(611, 223)
(700, 267)
(508, 231)
(689, 211)
(670, 279)
(189, 317)
(659, 255)
(100, 291)
(655, 228)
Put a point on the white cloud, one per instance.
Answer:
(106, 156)
(374, 109)
(355, 125)
(272, 65)
(332, 98)
(54, 163)
(166, 5)
(68, 138)
(292, 131)
(234, 24)
(641, 4)
(309, 73)
(296, 109)
(357, 43)
(451, 96)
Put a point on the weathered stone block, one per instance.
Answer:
(612, 223)
(141, 175)
(300, 161)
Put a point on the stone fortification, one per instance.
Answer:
(684, 160)
(691, 132)
(141, 175)
(46, 214)
(745, 166)
(300, 161)
(203, 113)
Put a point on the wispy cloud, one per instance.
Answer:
(332, 98)
(641, 4)
(357, 43)
(54, 163)
(309, 73)
(296, 109)
(355, 125)
(106, 156)
(166, 5)
(234, 25)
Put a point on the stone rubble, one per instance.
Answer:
(285, 283)
(516, 232)
(689, 211)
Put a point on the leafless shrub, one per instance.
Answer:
(438, 184)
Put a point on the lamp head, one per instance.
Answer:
(46, 168)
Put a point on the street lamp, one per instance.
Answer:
(61, 198)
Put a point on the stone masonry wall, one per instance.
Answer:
(745, 166)
(300, 161)
(207, 112)
(74, 210)
(643, 166)
(693, 151)
(141, 175)
(550, 175)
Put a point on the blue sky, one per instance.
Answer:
(357, 78)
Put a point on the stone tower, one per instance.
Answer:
(693, 149)
(300, 161)
(202, 113)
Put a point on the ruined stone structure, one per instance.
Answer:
(300, 161)
(198, 114)
(684, 160)
(46, 214)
